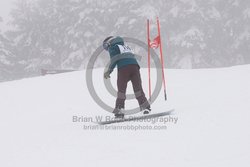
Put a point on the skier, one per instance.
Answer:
(128, 70)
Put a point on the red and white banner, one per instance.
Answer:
(155, 43)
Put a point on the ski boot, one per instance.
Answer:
(118, 113)
(147, 110)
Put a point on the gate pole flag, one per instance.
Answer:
(156, 43)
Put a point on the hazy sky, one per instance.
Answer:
(5, 6)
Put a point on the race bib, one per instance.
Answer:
(124, 49)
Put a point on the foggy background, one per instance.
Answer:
(62, 34)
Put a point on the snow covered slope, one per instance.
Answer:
(212, 108)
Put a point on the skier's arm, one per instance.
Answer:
(109, 71)
(112, 66)
(115, 51)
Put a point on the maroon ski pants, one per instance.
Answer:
(130, 73)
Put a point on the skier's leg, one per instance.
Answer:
(122, 80)
(138, 90)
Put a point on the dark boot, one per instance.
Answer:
(147, 110)
(118, 113)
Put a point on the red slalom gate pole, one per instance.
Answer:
(162, 60)
(149, 72)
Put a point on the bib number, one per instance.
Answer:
(125, 49)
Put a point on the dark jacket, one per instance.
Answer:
(120, 54)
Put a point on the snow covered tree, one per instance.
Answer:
(63, 34)
(239, 30)
(6, 57)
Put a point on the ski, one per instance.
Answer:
(134, 118)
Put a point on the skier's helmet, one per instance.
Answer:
(107, 42)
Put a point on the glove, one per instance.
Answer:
(107, 74)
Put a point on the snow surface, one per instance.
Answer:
(212, 107)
